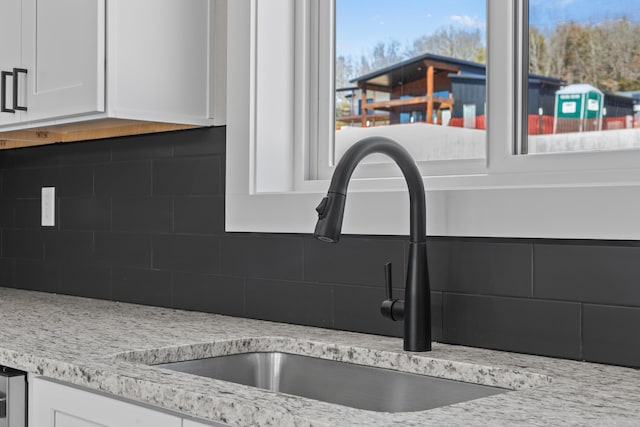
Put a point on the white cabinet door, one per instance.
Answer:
(55, 405)
(63, 51)
(10, 12)
(161, 73)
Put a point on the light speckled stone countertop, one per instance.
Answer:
(106, 346)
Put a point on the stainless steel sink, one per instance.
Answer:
(358, 386)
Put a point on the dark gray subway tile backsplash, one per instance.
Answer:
(198, 215)
(291, 302)
(123, 179)
(141, 219)
(354, 260)
(27, 213)
(86, 213)
(74, 277)
(531, 326)
(23, 183)
(174, 252)
(37, 276)
(7, 277)
(71, 181)
(209, 293)
(611, 334)
(195, 176)
(151, 287)
(70, 247)
(482, 267)
(597, 274)
(123, 249)
(7, 209)
(23, 244)
(145, 215)
(263, 257)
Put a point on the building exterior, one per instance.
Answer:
(418, 89)
(441, 90)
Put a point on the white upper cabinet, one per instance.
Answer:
(10, 13)
(63, 51)
(83, 69)
(160, 72)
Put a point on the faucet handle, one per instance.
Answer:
(391, 308)
(388, 280)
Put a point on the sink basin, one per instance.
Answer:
(357, 386)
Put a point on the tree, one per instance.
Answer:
(623, 53)
(381, 55)
(605, 55)
(344, 71)
(567, 47)
(481, 57)
(385, 54)
(538, 57)
(452, 42)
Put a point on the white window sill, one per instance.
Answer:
(610, 213)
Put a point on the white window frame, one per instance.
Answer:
(591, 195)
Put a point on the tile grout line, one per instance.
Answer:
(581, 332)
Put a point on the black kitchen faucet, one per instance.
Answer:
(415, 309)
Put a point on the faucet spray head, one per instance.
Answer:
(330, 213)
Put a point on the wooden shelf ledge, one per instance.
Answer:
(88, 130)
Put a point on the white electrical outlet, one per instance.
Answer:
(48, 206)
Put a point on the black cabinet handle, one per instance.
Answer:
(17, 71)
(3, 92)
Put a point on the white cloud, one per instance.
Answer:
(468, 21)
(378, 20)
(546, 4)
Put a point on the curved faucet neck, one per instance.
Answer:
(412, 176)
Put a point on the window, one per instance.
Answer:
(584, 76)
(282, 106)
(415, 73)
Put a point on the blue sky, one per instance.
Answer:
(547, 13)
(361, 24)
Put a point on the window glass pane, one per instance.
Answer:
(584, 75)
(413, 71)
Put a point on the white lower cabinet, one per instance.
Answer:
(190, 423)
(52, 404)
